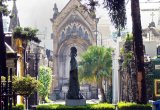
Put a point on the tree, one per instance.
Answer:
(3, 12)
(117, 13)
(29, 83)
(45, 77)
(95, 65)
(25, 86)
(23, 36)
(3, 70)
(129, 91)
(139, 50)
(26, 34)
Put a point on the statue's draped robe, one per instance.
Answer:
(73, 92)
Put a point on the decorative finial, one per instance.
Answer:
(55, 14)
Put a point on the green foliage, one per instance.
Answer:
(103, 106)
(48, 100)
(45, 77)
(127, 57)
(133, 106)
(95, 63)
(26, 34)
(25, 85)
(117, 12)
(3, 78)
(129, 38)
(3, 8)
(18, 107)
(127, 51)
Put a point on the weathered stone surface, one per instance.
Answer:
(75, 102)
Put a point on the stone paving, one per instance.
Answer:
(92, 101)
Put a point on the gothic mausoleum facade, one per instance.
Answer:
(73, 26)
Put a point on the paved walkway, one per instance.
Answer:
(92, 101)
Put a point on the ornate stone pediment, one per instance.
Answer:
(73, 8)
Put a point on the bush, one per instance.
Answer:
(103, 106)
(87, 107)
(18, 107)
(133, 106)
(45, 78)
(30, 84)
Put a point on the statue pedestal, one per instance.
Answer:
(75, 102)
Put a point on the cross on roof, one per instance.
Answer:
(152, 15)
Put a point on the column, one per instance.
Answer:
(115, 74)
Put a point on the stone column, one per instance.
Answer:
(115, 74)
(55, 73)
(64, 65)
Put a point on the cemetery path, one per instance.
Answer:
(92, 101)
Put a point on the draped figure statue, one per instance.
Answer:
(74, 88)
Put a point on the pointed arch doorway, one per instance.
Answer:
(64, 57)
(73, 26)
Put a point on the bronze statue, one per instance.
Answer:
(74, 89)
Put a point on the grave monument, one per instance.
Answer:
(74, 97)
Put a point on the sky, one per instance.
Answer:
(37, 14)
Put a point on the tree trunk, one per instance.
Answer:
(2, 48)
(138, 45)
(24, 44)
(3, 69)
(43, 99)
(26, 98)
(109, 91)
(134, 85)
(103, 96)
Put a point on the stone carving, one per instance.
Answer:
(74, 89)
(74, 29)
(80, 32)
(62, 36)
(86, 35)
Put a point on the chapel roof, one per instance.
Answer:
(14, 17)
(72, 5)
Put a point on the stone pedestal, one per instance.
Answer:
(75, 102)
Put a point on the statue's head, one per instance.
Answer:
(73, 51)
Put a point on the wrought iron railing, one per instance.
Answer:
(6, 95)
